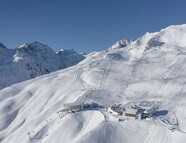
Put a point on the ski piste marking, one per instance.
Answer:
(131, 78)
(58, 116)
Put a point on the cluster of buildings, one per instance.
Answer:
(133, 112)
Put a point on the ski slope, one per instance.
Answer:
(148, 72)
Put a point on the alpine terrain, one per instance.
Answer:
(133, 92)
(32, 60)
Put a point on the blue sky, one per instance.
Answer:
(84, 25)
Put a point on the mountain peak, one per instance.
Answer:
(121, 43)
(2, 46)
(36, 47)
(32, 45)
(174, 35)
(38, 44)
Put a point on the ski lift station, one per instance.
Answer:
(132, 112)
(80, 107)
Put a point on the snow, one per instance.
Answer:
(70, 57)
(121, 43)
(149, 73)
(32, 60)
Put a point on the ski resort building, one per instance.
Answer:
(71, 109)
(130, 113)
(134, 112)
(76, 108)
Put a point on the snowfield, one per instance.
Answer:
(149, 72)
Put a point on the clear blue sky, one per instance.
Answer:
(84, 25)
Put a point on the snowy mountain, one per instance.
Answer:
(70, 57)
(32, 60)
(89, 101)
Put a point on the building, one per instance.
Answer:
(130, 113)
(112, 111)
(76, 108)
(134, 112)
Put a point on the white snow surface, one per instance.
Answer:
(32, 60)
(149, 72)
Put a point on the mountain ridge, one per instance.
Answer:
(32, 60)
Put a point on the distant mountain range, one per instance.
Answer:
(32, 60)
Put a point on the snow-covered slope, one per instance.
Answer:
(70, 57)
(149, 72)
(32, 60)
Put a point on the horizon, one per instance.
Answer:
(84, 26)
(91, 51)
